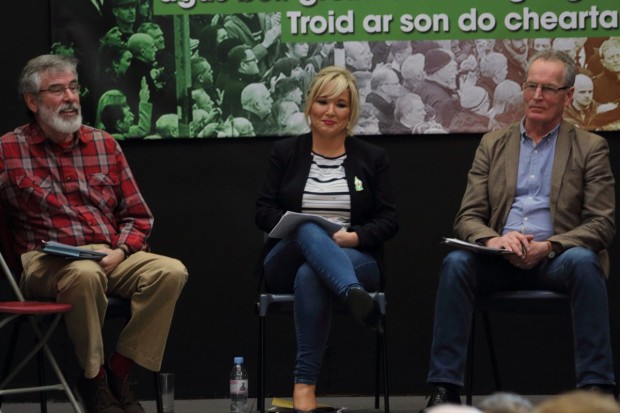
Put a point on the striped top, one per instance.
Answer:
(326, 192)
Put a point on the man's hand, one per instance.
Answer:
(527, 253)
(111, 260)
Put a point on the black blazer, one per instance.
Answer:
(373, 209)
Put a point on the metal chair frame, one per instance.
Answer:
(518, 301)
(31, 310)
(117, 308)
(267, 300)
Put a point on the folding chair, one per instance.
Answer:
(277, 301)
(12, 310)
(117, 308)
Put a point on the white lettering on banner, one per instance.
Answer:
(471, 22)
(568, 20)
(377, 23)
(423, 23)
(189, 4)
(320, 24)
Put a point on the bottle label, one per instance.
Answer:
(238, 387)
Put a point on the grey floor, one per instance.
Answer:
(398, 404)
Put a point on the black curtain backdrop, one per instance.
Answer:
(202, 194)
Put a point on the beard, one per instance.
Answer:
(55, 121)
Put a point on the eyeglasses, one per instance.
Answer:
(546, 90)
(58, 90)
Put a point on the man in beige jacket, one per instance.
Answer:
(544, 190)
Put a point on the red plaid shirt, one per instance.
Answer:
(82, 193)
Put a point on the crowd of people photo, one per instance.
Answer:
(246, 82)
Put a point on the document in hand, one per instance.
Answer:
(71, 252)
(453, 242)
(291, 220)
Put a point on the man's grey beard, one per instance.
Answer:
(53, 118)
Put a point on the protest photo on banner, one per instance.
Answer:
(157, 69)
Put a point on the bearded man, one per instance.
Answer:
(66, 182)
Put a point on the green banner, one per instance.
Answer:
(375, 20)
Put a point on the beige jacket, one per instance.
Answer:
(582, 189)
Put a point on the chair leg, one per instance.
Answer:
(41, 374)
(260, 395)
(378, 365)
(158, 401)
(487, 327)
(10, 352)
(469, 383)
(386, 389)
(63, 385)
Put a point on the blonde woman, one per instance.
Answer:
(346, 180)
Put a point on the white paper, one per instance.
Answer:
(454, 242)
(291, 220)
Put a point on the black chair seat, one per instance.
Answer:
(524, 302)
(517, 301)
(118, 308)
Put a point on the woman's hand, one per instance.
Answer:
(346, 239)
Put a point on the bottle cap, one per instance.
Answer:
(238, 360)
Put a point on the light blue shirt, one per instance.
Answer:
(530, 213)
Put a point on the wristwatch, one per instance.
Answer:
(554, 249)
(124, 249)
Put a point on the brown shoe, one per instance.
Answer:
(123, 390)
(96, 396)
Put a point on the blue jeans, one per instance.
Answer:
(576, 272)
(310, 264)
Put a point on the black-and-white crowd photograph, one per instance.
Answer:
(240, 80)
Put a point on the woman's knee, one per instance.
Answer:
(310, 231)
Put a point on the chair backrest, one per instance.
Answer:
(7, 242)
(9, 262)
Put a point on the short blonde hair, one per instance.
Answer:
(330, 82)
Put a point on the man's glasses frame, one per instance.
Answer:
(546, 90)
(58, 90)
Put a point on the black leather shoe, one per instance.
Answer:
(96, 396)
(123, 391)
(442, 395)
(364, 308)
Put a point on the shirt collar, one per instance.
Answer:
(36, 136)
(550, 135)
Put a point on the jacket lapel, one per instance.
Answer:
(513, 150)
(560, 160)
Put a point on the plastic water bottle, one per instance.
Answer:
(238, 387)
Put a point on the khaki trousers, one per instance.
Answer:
(152, 282)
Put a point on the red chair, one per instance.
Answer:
(13, 310)
(117, 308)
